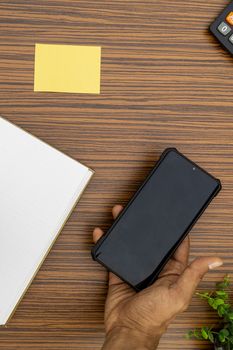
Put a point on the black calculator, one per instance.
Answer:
(222, 28)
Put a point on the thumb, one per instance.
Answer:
(193, 274)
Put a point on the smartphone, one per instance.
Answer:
(156, 220)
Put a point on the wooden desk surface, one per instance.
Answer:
(165, 82)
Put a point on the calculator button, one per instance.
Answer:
(224, 28)
(231, 39)
(229, 18)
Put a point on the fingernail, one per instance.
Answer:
(215, 264)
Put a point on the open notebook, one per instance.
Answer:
(39, 186)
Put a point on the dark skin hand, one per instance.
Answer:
(137, 320)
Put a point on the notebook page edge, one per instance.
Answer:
(83, 184)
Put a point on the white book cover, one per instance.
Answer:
(39, 187)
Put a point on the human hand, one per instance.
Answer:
(137, 320)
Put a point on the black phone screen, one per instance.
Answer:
(157, 218)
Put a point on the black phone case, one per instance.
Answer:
(149, 281)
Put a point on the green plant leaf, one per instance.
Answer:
(222, 335)
(227, 306)
(218, 300)
(216, 303)
(225, 284)
(197, 334)
(211, 301)
(225, 332)
(222, 294)
(221, 338)
(204, 333)
(221, 310)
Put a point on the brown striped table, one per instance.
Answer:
(165, 82)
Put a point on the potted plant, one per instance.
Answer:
(221, 335)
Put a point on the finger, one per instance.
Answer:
(116, 210)
(97, 234)
(187, 283)
(182, 253)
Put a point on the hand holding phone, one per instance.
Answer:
(156, 220)
(139, 319)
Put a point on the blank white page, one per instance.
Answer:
(39, 186)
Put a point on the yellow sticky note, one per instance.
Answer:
(67, 68)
